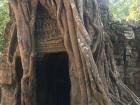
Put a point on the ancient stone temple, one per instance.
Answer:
(52, 65)
(125, 39)
(52, 62)
(57, 53)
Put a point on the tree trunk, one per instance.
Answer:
(88, 47)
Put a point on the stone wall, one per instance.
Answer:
(126, 41)
(125, 37)
(137, 35)
(7, 73)
(127, 53)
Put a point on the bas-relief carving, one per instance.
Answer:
(48, 40)
(47, 35)
(102, 91)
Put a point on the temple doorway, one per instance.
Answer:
(53, 81)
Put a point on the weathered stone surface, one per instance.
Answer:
(125, 37)
(126, 45)
(51, 36)
(8, 95)
(7, 73)
(5, 77)
(47, 34)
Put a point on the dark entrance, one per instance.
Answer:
(19, 73)
(53, 82)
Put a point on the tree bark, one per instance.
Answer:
(88, 47)
(25, 13)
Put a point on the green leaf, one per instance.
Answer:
(4, 18)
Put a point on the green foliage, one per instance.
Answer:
(4, 18)
(134, 10)
(119, 9)
(125, 9)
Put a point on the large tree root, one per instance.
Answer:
(88, 47)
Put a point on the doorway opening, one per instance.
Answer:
(53, 81)
(19, 73)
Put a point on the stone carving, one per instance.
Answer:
(87, 45)
(47, 35)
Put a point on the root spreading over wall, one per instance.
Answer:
(88, 47)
